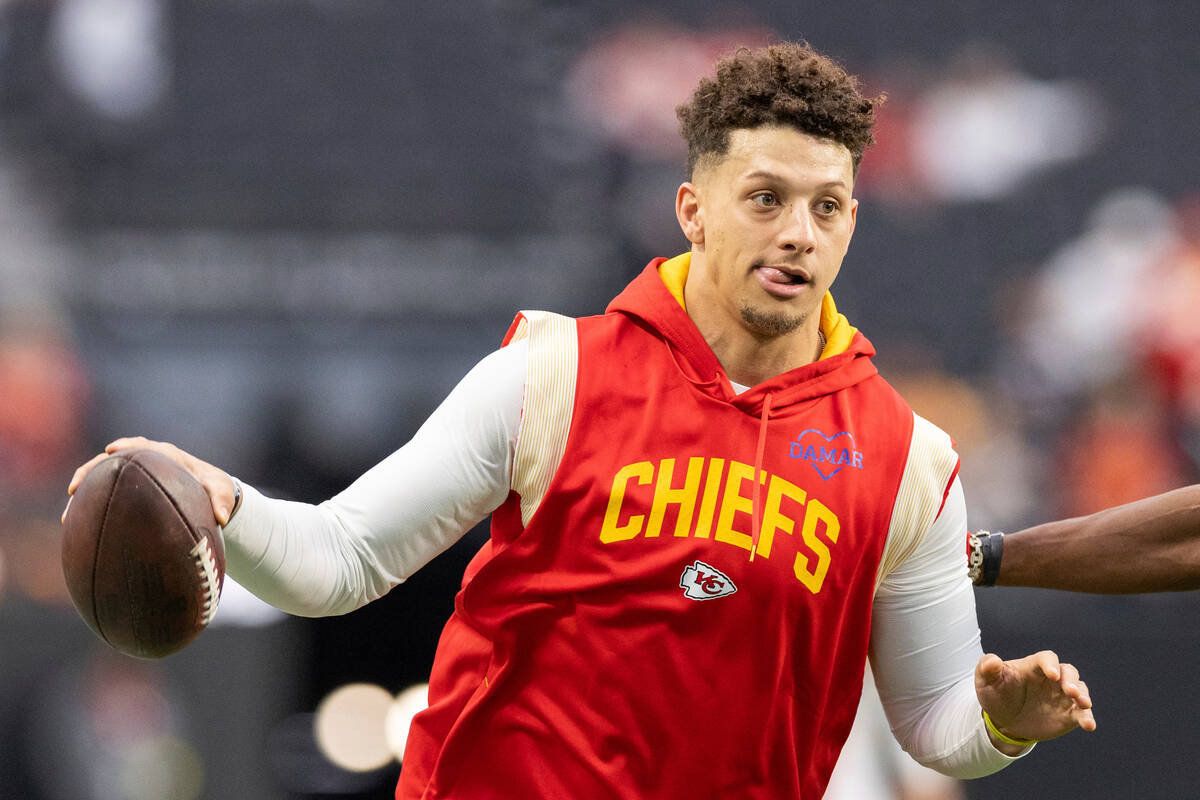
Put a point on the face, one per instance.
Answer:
(769, 223)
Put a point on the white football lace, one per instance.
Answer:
(206, 562)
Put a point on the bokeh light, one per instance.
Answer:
(407, 705)
(350, 727)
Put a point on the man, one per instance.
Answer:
(1149, 545)
(706, 507)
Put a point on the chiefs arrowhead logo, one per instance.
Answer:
(702, 581)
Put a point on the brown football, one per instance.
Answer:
(142, 554)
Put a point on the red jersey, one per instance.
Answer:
(676, 598)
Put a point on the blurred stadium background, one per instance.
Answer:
(276, 232)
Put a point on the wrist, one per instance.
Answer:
(1006, 743)
(237, 497)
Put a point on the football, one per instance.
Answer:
(142, 554)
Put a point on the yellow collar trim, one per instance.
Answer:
(837, 329)
(674, 272)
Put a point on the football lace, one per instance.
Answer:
(207, 564)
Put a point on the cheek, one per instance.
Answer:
(832, 269)
(714, 247)
(839, 243)
(833, 273)
(733, 242)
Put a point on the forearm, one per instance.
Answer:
(301, 559)
(924, 648)
(926, 681)
(953, 740)
(328, 559)
(1150, 545)
(332, 558)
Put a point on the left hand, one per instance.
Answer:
(1036, 697)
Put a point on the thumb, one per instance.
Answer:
(989, 670)
(220, 512)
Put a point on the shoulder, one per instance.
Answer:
(931, 453)
(552, 366)
(927, 450)
(929, 472)
(539, 326)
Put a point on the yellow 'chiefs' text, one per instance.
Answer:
(707, 501)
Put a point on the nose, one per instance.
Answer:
(798, 233)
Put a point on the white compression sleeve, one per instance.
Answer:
(334, 557)
(924, 648)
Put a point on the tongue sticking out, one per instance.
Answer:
(778, 283)
(774, 275)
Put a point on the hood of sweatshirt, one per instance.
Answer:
(655, 301)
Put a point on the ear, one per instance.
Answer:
(689, 213)
(853, 217)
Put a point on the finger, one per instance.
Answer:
(1068, 676)
(1073, 687)
(220, 494)
(129, 442)
(67, 508)
(169, 450)
(1047, 662)
(82, 472)
(1078, 692)
(1086, 719)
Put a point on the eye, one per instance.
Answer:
(765, 199)
(828, 207)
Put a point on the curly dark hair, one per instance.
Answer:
(783, 84)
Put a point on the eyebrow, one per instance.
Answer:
(762, 173)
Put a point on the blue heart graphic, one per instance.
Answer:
(797, 451)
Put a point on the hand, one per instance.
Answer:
(1036, 697)
(215, 481)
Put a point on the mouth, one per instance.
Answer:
(782, 277)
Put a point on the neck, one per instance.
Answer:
(748, 357)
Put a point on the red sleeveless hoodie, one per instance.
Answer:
(683, 611)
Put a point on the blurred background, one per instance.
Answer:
(277, 232)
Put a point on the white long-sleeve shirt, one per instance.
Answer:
(321, 560)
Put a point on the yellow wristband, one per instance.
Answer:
(991, 726)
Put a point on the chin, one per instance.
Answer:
(771, 323)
